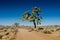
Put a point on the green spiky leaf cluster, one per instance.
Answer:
(34, 16)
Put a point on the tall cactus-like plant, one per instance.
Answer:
(34, 17)
(16, 24)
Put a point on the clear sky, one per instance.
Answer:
(11, 11)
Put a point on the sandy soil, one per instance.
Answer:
(23, 34)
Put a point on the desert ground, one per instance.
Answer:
(24, 34)
(15, 33)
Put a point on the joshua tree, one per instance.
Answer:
(34, 17)
(16, 24)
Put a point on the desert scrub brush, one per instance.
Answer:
(1, 36)
(47, 32)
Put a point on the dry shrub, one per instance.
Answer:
(58, 29)
(47, 32)
(40, 28)
(5, 30)
(1, 36)
(7, 33)
(31, 30)
(52, 30)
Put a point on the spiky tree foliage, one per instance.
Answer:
(34, 17)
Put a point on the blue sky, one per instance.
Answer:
(11, 11)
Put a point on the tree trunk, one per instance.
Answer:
(34, 24)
